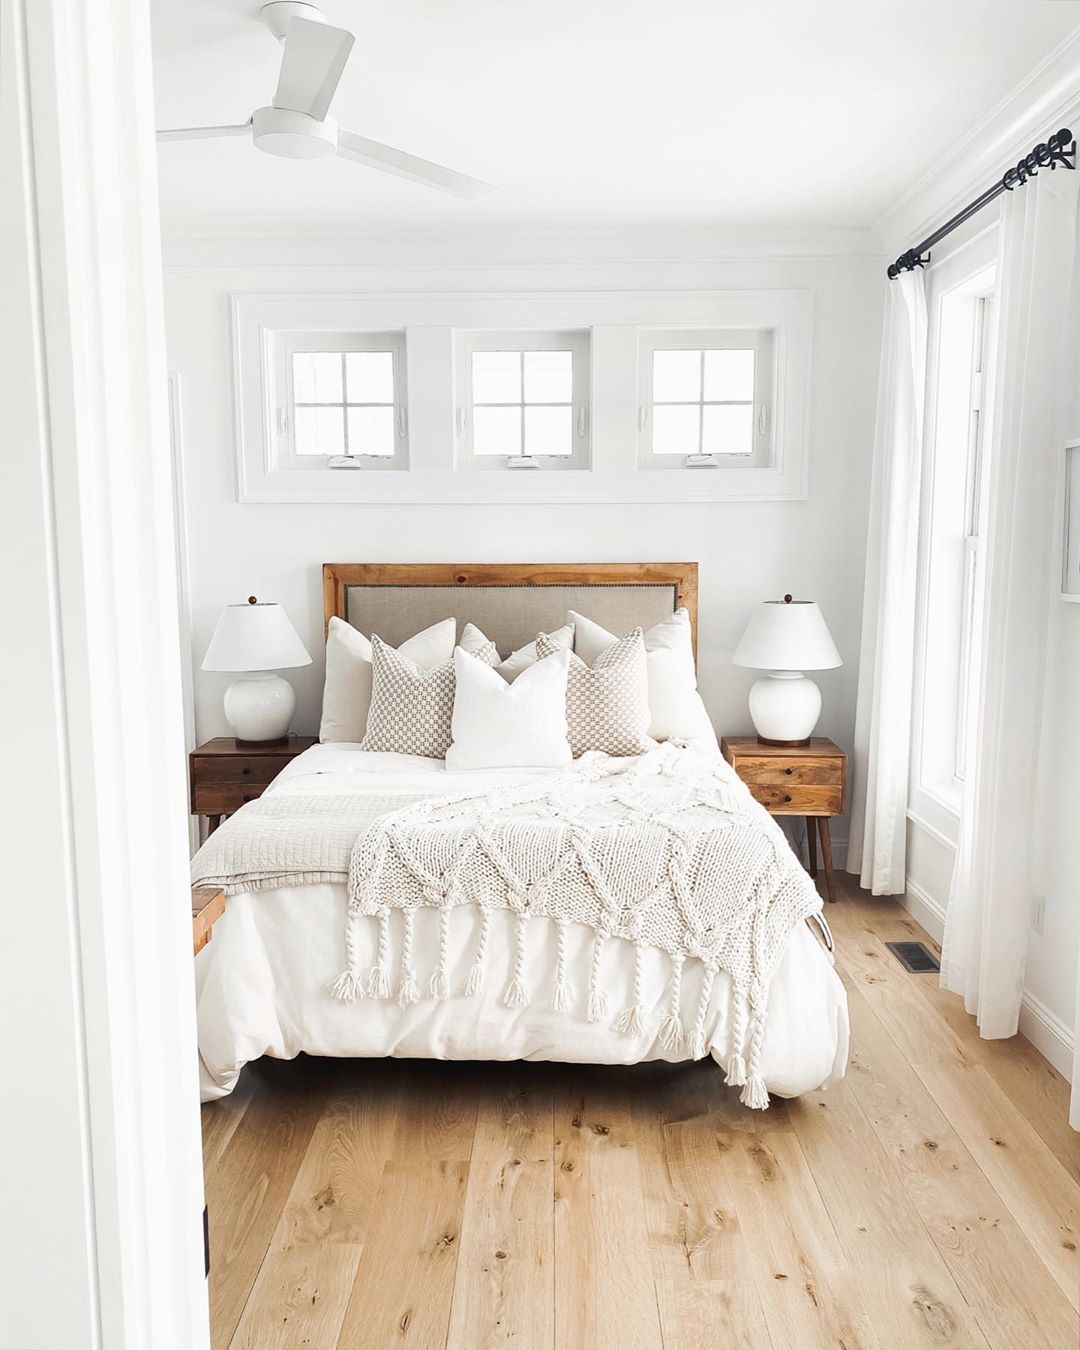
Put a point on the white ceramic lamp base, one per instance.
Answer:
(260, 707)
(784, 707)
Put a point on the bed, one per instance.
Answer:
(271, 982)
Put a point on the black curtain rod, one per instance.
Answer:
(1060, 148)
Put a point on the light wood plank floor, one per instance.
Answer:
(932, 1199)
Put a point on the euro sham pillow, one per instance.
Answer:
(522, 657)
(497, 725)
(347, 687)
(411, 709)
(607, 704)
(676, 711)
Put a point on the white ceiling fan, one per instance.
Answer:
(296, 125)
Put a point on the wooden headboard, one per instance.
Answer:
(509, 601)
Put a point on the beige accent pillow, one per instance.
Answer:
(347, 687)
(607, 704)
(412, 709)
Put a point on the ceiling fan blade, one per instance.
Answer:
(385, 157)
(311, 66)
(202, 133)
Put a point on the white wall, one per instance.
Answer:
(746, 551)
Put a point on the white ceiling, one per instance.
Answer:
(598, 114)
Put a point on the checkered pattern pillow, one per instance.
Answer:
(412, 709)
(607, 704)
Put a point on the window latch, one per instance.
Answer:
(461, 421)
(642, 417)
(700, 461)
(521, 462)
(283, 421)
(763, 419)
(345, 462)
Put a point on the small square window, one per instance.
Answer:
(708, 397)
(345, 400)
(524, 400)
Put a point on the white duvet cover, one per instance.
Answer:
(263, 982)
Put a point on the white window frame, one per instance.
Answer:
(965, 277)
(283, 346)
(575, 342)
(431, 320)
(759, 340)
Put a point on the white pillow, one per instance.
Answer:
(347, 689)
(509, 726)
(675, 708)
(473, 640)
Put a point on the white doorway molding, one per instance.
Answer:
(100, 1183)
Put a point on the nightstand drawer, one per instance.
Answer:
(784, 772)
(222, 799)
(261, 769)
(798, 799)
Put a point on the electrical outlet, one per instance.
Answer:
(1038, 911)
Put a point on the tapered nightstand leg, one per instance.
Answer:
(826, 856)
(811, 844)
(213, 822)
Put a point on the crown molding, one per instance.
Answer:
(1046, 99)
(509, 250)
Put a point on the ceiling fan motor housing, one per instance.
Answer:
(278, 14)
(293, 135)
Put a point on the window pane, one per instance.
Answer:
(497, 431)
(496, 377)
(549, 431)
(549, 377)
(319, 431)
(371, 431)
(729, 376)
(316, 377)
(676, 377)
(369, 377)
(675, 430)
(728, 429)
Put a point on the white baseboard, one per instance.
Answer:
(924, 909)
(1048, 1034)
(1043, 1028)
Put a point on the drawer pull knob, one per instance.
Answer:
(786, 798)
(247, 769)
(789, 770)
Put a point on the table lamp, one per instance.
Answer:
(786, 637)
(258, 639)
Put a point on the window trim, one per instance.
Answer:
(575, 341)
(284, 343)
(762, 341)
(431, 317)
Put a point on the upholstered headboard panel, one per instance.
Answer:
(510, 602)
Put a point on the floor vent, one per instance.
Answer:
(914, 956)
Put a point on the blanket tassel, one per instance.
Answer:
(347, 987)
(596, 1009)
(379, 977)
(671, 1031)
(755, 1094)
(562, 997)
(408, 991)
(517, 993)
(631, 1021)
(439, 984)
(474, 982)
(736, 1066)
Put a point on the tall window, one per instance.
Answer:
(708, 398)
(961, 326)
(523, 400)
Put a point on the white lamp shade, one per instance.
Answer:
(255, 637)
(787, 635)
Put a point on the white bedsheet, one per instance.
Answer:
(262, 983)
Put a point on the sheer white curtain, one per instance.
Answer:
(994, 880)
(886, 663)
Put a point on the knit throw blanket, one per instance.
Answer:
(667, 851)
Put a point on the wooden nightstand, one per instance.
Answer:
(224, 775)
(799, 780)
